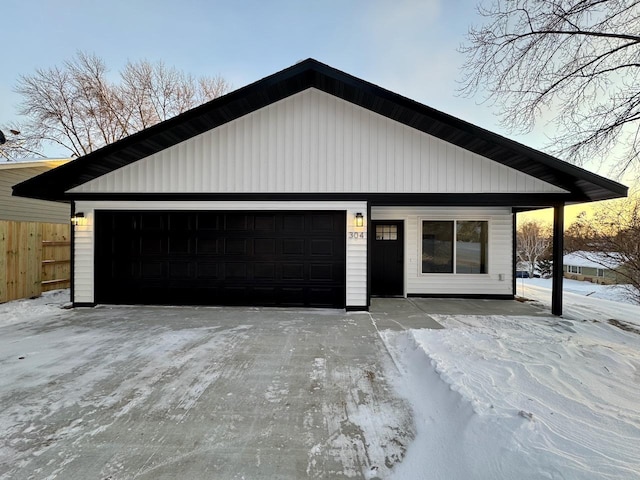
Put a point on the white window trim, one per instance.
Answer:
(444, 218)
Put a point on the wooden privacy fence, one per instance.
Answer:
(34, 257)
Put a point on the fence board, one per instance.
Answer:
(32, 253)
(56, 256)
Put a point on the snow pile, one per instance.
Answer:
(500, 397)
(49, 303)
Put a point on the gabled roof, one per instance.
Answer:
(582, 185)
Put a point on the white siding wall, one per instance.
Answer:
(356, 281)
(314, 142)
(499, 254)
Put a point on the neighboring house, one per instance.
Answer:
(309, 187)
(29, 209)
(593, 267)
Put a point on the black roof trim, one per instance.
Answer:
(522, 201)
(582, 185)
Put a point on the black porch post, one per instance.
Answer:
(558, 249)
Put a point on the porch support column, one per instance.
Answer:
(558, 248)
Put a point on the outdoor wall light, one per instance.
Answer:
(359, 220)
(77, 218)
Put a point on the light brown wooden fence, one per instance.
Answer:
(34, 257)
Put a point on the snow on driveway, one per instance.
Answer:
(493, 396)
(161, 393)
(528, 397)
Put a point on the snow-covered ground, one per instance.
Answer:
(498, 397)
(506, 397)
(614, 293)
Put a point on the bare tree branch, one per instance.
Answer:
(79, 107)
(576, 61)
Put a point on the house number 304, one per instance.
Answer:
(356, 235)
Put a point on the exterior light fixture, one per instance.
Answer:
(359, 220)
(77, 218)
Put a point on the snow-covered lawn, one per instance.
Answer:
(499, 397)
(615, 293)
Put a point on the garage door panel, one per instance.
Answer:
(318, 248)
(206, 245)
(322, 223)
(293, 223)
(207, 271)
(235, 246)
(235, 222)
(152, 269)
(233, 258)
(180, 244)
(180, 270)
(321, 272)
(152, 221)
(207, 221)
(293, 271)
(264, 246)
(264, 271)
(293, 246)
(265, 223)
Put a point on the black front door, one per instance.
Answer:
(387, 259)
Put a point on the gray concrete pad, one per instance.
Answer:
(400, 314)
(465, 306)
(195, 393)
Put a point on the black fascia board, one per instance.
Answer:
(519, 201)
(582, 185)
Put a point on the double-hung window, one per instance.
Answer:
(454, 246)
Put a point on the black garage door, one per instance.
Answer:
(221, 258)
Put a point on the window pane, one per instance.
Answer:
(471, 247)
(437, 247)
(386, 232)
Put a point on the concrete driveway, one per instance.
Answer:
(198, 393)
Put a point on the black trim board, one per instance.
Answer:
(514, 250)
(524, 201)
(312, 74)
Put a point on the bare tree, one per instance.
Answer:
(533, 242)
(79, 107)
(14, 144)
(576, 61)
(610, 237)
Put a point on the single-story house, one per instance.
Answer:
(309, 187)
(29, 209)
(594, 267)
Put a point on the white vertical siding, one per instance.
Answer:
(499, 254)
(356, 261)
(313, 142)
(83, 257)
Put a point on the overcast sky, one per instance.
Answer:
(407, 46)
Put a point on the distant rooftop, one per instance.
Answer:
(592, 260)
(33, 162)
